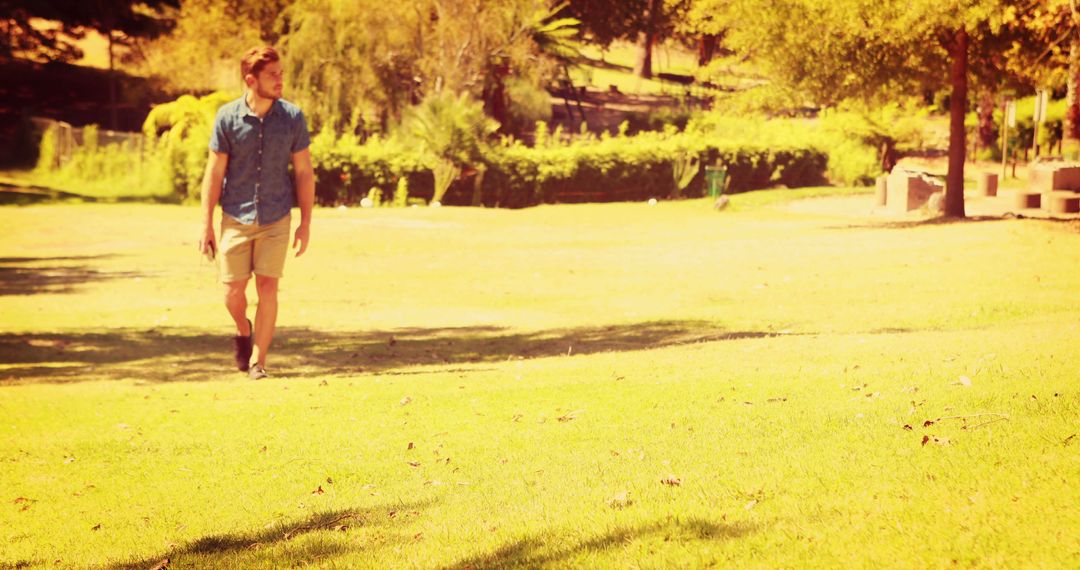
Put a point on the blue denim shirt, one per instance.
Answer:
(257, 186)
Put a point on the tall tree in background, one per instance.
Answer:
(118, 20)
(646, 22)
(604, 21)
(19, 38)
(203, 50)
(1046, 51)
(359, 63)
(874, 51)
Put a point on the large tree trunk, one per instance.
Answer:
(1071, 134)
(988, 131)
(112, 83)
(707, 48)
(652, 23)
(954, 181)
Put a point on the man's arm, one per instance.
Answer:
(305, 197)
(211, 193)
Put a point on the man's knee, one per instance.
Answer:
(266, 286)
(234, 292)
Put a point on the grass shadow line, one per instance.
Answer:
(533, 551)
(171, 355)
(232, 543)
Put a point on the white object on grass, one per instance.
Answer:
(367, 203)
(652, 201)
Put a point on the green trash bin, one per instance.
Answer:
(715, 176)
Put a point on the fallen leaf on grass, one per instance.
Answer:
(907, 427)
(96, 527)
(963, 381)
(750, 504)
(621, 500)
(671, 481)
(570, 415)
(405, 401)
(928, 423)
(318, 491)
(161, 565)
(414, 463)
(942, 441)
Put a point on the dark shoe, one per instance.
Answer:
(243, 350)
(257, 372)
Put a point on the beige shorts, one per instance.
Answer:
(254, 248)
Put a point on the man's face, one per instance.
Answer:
(269, 83)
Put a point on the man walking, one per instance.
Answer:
(254, 140)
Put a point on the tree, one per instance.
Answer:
(874, 51)
(358, 64)
(645, 21)
(118, 20)
(21, 39)
(1046, 51)
(188, 62)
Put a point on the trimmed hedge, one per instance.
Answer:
(757, 153)
(587, 170)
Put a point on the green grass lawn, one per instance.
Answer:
(583, 386)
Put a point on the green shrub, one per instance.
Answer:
(112, 170)
(587, 169)
(180, 133)
(528, 104)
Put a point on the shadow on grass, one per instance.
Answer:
(207, 550)
(47, 275)
(535, 552)
(170, 355)
(38, 195)
(936, 221)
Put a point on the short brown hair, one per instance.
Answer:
(256, 59)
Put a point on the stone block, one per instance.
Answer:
(986, 184)
(907, 191)
(1061, 202)
(881, 190)
(1048, 177)
(1024, 199)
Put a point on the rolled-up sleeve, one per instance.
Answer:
(301, 137)
(219, 141)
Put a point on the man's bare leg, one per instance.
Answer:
(236, 303)
(265, 317)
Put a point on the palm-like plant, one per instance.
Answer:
(451, 131)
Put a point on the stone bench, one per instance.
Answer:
(1049, 176)
(906, 191)
(1023, 199)
(1061, 202)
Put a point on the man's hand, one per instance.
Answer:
(303, 234)
(208, 243)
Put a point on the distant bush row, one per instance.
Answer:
(756, 153)
(587, 169)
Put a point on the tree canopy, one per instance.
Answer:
(19, 36)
